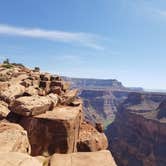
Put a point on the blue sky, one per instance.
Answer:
(122, 39)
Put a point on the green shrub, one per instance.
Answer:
(6, 61)
(37, 69)
(8, 66)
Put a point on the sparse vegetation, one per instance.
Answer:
(18, 64)
(7, 64)
(6, 61)
(37, 69)
(108, 122)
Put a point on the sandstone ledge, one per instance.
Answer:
(55, 131)
(17, 159)
(100, 158)
(48, 115)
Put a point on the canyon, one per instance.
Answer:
(48, 120)
(134, 120)
(101, 97)
(137, 135)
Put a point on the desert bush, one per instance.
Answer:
(37, 69)
(8, 66)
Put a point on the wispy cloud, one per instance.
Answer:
(84, 39)
(159, 12)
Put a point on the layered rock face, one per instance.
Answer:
(55, 131)
(90, 139)
(43, 117)
(137, 136)
(102, 104)
(101, 97)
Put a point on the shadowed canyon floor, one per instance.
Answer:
(138, 134)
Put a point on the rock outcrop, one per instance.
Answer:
(13, 138)
(31, 105)
(102, 158)
(55, 131)
(44, 117)
(137, 136)
(4, 111)
(18, 159)
(90, 140)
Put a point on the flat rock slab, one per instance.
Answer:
(13, 138)
(62, 113)
(101, 158)
(31, 105)
(55, 131)
(17, 159)
(12, 92)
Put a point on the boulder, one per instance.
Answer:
(70, 96)
(31, 105)
(90, 139)
(54, 98)
(4, 111)
(101, 158)
(4, 85)
(31, 91)
(13, 91)
(55, 131)
(17, 159)
(13, 138)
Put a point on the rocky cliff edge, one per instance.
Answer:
(41, 117)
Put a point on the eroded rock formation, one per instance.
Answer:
(101, 158)
(101, 97)
(13, 138)
(90, 140)
(50, 113)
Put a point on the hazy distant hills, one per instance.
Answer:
(89, 83)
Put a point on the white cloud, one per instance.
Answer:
(84, 39)
(159, 12)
